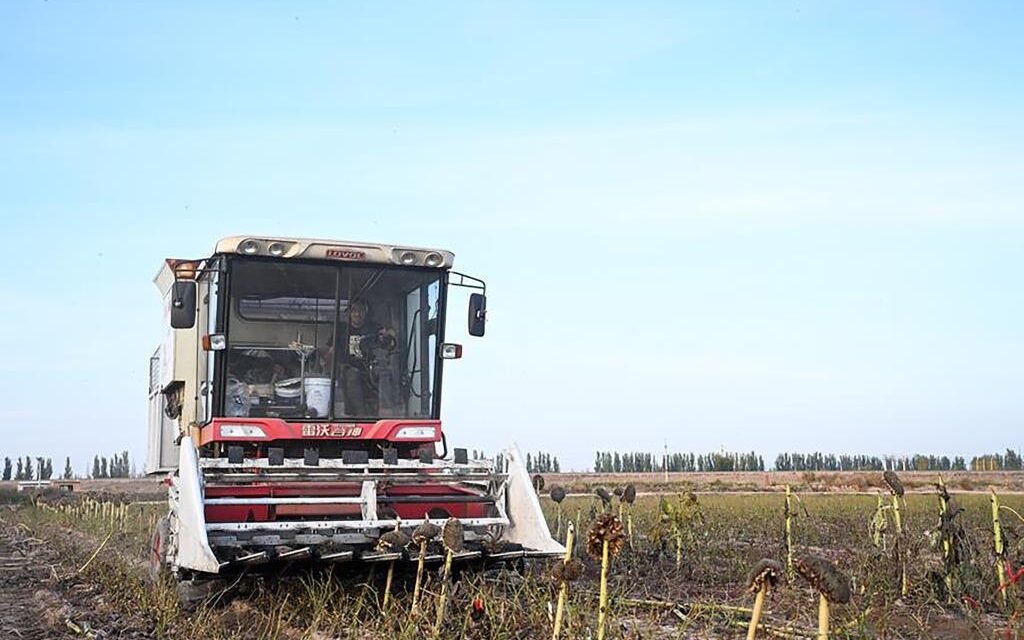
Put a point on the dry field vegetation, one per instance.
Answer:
(76, 571)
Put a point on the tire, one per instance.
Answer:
(158, 564)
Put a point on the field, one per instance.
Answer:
(71, 567)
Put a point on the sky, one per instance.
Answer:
(771, 226)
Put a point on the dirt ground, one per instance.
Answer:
(43, 598)
(44, 593)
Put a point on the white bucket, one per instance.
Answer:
(318, 395)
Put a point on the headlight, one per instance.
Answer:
(434, 260)
(416, 433)
(450, 351)
(215, 342)
(408, 258)
(276, 249)
(249, 247)
(241, 431)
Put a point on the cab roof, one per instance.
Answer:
(340, 250)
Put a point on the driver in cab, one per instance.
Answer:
(364, 345)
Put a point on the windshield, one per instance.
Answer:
(330, 342)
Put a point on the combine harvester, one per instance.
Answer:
(295, 403)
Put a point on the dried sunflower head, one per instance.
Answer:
(607, 528)
(617, 491)
(824, 577)
(602, 493)
(425, 532)
(567, 571)
(691, 498)
(451, 535)
(392, 540)
(893, 482)
(765, 572)
(538, 482)
(557, 493)
(629, 494)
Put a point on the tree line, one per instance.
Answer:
(119, 466)
(541, 462)
(29, 468)
(646, 462)
(844, 462)
(39, 468)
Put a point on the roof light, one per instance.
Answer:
(434, 260)
(249, 247)
(276, 249)
(184, 270)
(408, 258)
(416, 433)
(241, 431)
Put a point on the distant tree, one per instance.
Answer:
(20, 475)
(7, 469)
(96, 467)
(104, 472)
(68, 473)
(29, 473)
(47, 469)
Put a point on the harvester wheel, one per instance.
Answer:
(158, 567)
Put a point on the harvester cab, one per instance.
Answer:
(295, 407)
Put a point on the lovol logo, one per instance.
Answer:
(331, 431)
(346, 254)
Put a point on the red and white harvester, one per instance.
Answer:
(294, 403)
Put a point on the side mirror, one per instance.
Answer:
(477, 314)
(183, 304)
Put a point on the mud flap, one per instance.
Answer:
(193, 547)
(527, 525)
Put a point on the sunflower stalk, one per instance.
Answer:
(1000, 549)
(452, 536)
(765, 574)
(604, 539)
(822, 617)
(789, 532)
(901, 562)
(563, 591)
(417, 588)
(602, 611)
(387, 585)
(442, 601)
(947, 539)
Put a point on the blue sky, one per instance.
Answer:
(772, 226)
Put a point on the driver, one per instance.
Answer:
(362, 340)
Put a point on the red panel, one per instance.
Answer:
(277, 429)
(347, 489)
(271, 513)
(294, 510)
